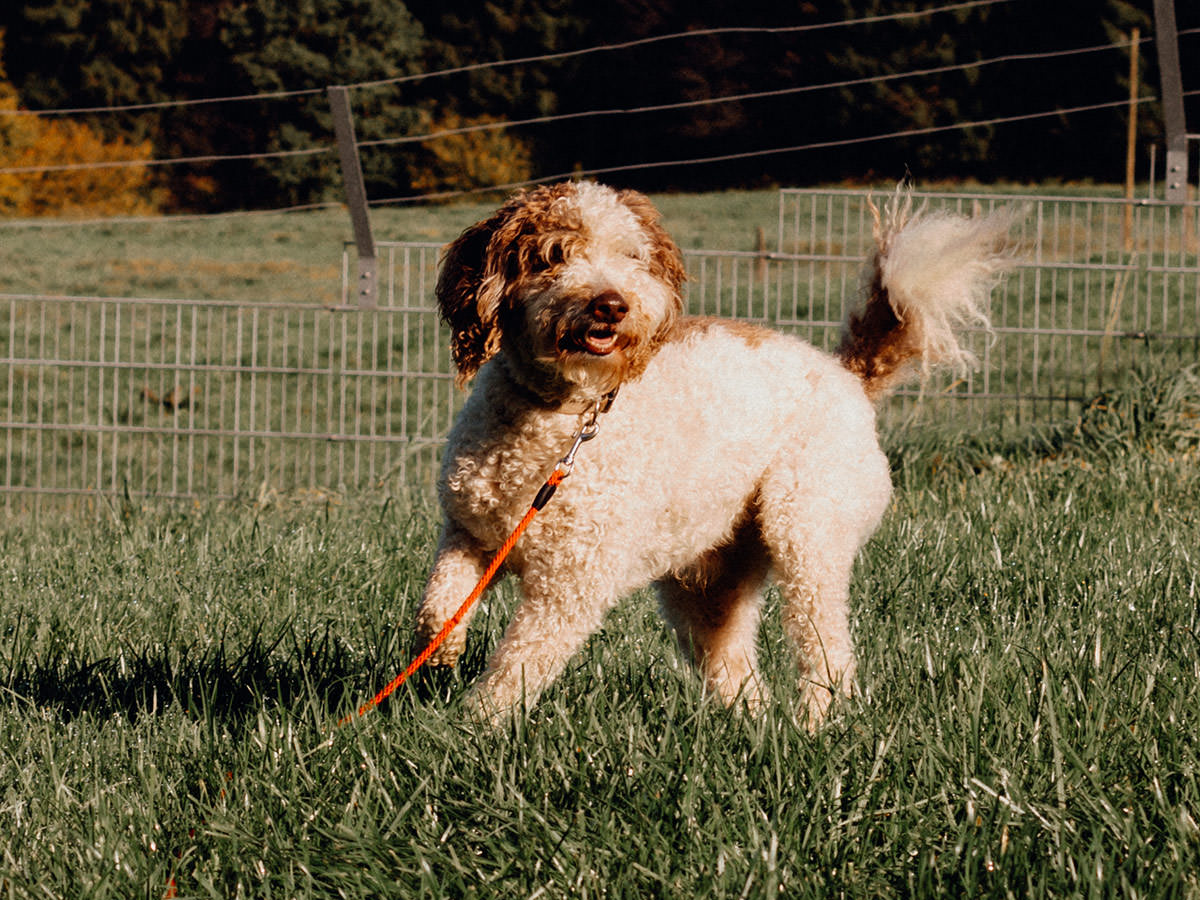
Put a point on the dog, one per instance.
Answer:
(727, 453)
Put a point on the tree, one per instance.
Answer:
(29, 142)
(79, 53)
(1069, 145)
(281, 45)
(459, 35)
(95, 53)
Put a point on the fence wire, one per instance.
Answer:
(135, 398)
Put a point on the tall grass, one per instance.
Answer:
(1029, 632)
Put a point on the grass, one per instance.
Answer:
(295, 257)
(1029, 633)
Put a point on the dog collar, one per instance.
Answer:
(566, 407)
(579, 407)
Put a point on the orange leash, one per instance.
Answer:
(561, 471)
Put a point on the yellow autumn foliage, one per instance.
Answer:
(30, 143)
(473, 159)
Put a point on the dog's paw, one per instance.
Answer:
(482, 706)
(447, 652)
(749, 693)
(817, 700)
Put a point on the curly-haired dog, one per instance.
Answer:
(731, 453)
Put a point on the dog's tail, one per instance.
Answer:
(930, 278)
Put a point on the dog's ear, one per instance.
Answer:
(666, 259)
(468, 294)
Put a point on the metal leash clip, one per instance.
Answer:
(563, 468)
(586, 433)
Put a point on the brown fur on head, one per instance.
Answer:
(528, 279)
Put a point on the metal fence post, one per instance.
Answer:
(1166, 41)
(356, 197)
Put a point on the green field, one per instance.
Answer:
(295, 257)
(1028, 621)
(1029, 633)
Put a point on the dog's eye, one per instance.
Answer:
(547, 258)
(512, 266)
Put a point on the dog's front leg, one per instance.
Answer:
(551, 623)
(457, 568)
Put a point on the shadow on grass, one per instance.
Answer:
(318, 673)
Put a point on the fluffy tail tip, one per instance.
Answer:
(929, 279)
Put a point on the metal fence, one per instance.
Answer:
(178, 399)
(118, 397)
(1105, 287)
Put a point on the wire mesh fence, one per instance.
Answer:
(129, 398)
(1104, 286)
(179, 399)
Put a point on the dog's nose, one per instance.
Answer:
(609, 308)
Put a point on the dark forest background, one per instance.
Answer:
(72, 54)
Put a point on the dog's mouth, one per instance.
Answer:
(596, 339)
(600, 340)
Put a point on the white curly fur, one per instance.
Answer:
(731, 452)
(938, 270)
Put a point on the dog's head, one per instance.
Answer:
(575, 283)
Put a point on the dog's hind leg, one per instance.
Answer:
(714, 606)
(813, 534)
(815, 588)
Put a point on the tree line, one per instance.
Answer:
(71, 54)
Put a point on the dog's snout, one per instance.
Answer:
(609, 307)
